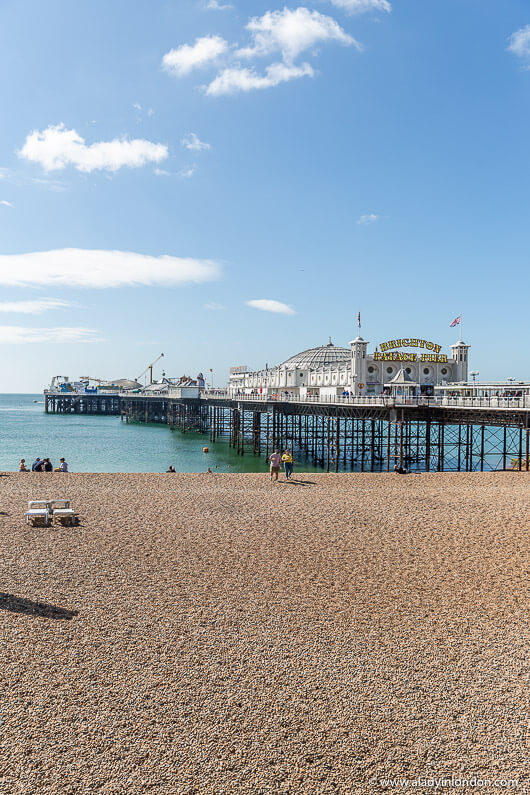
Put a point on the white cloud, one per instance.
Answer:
(360, 6)
(161, 172)
(268, 305)
(56, 147)
(519, 42)
(291, 33)
(234, 79)
(5, 203)
(215, 5)
(99, 268)
(18, 335)
(193, 142)
(213, 306)
(369, 218)
(187, 173)
(185, 58)
(137, 106)
(36, 307)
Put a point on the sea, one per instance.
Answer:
(105, 444)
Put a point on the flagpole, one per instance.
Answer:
(461, 324)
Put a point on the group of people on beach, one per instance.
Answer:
(43, 465)
(276, 461)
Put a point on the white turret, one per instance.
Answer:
(460, 354)
(358, 365)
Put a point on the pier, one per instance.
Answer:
(335, 433)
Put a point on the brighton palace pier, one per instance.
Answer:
(409, 365)
(406, 405)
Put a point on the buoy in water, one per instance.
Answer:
(205, 450)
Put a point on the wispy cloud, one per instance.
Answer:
(184, 59)
(187, 173)
(213, 306)
(192, 141)
(139, 108)
(216, 5)
(5, 203)
(36, 307)
(99, 268)
(519, 43)
(360, 6)
(161, 172)
(269, 305)
(369, 218)
(235, 79)
(22, 335)
(57, 147)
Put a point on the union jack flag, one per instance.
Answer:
(456, 321)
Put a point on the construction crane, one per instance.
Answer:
(97, 380)
(150, 368)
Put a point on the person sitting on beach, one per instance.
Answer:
(48, 466)
(63, 466)
(172, 470)
(288, 464)
(23, 467)
(400, 470)
(275, 460)
(36, 465)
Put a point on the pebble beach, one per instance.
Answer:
(225, 634)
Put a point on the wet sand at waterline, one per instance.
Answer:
(226, 634)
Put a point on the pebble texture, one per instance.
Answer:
(223, 634)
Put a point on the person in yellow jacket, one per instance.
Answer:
(288, 464)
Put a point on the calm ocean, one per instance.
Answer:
(105, 444)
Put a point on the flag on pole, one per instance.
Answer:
(456, 322)
(211, 370)
(359, 319)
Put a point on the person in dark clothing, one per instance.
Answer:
(36, 465)
(48, 466)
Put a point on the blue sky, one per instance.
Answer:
(163, 164)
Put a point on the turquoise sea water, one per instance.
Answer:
(105, 444)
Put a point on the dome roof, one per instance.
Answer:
(314, 358)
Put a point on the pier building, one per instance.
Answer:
(405, 365)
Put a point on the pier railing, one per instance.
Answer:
(503, 403)
(495, 402)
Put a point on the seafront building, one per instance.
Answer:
(409, 366)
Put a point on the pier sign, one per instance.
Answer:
(389, 352)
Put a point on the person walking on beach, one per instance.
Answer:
(288, 464)
(275, 460)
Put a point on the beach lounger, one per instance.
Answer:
(61, 511)
(38, 516)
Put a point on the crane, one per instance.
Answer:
(97, 380)
(150, 368)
